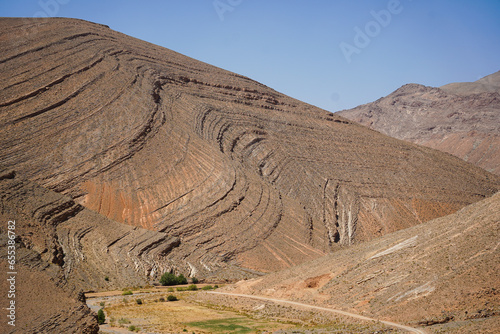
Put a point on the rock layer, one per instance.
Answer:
(460, 118)
(84, 245)
(241, 175)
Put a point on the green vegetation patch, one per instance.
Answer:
(229, 325)
(171, 279)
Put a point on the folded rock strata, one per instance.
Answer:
(239, 175)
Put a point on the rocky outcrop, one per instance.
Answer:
(227, 174)
(460, 118)
(44, 304)
(43, 300)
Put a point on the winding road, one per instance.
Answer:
(357, 316)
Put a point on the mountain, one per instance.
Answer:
(462, 119)
(490, 83)
(122, 160)
(238, 172)
(441, 273)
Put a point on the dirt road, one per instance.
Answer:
(357, 316)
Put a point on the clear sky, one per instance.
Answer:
(332, 54)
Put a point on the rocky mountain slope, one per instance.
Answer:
(443, 273)
(62, 248)
(85, 245)
(44, 302)
(237, 172)
(460, 118)
(488, 84)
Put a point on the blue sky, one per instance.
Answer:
(332, 54)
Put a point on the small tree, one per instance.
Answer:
(100, 316)
(194, 280)
(181, 279)
(168, 279)
(171, 279)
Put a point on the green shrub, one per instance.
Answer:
(171, 298)
(132, 328)
(170, 289)
(170, 279)
(207, 287)
(162, 299)
(192, 287)
(194, 280)
(127, 293)
(102, 304)
(180, 288)
(181, 279)
(100, 316)
(138, 301)
(122, 321)
(106, 279)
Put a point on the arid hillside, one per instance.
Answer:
(490, 83)
(240, 174)
(443, 274)
(459, 118)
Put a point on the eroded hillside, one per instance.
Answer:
(443, 273)
(237, 172)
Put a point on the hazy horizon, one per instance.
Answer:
(335, 55)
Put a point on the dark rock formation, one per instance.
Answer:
(460, 118)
